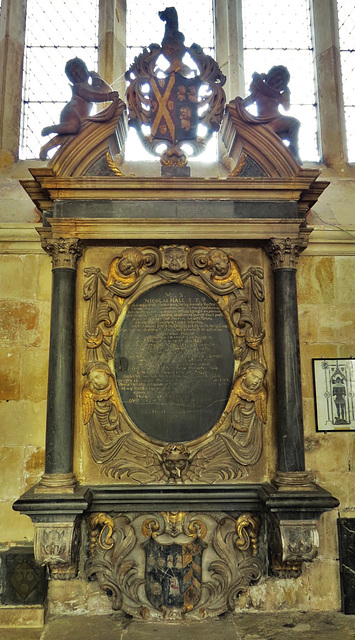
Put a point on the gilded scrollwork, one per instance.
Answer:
(101, 528)
(174, 523)
(235, 442)
(174, 564)
(235, 542)
(109, 564)
(125, 274)
(247, 527)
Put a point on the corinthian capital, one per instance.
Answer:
(284, 252)
(64, 251)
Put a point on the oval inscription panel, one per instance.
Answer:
(174, 363)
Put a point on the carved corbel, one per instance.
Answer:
(284, 252)
(293, 542)
(56, 544)
(63, 251)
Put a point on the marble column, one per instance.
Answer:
(60, 400)
(283, 254)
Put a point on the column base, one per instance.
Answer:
(293, 481)
(57, 483)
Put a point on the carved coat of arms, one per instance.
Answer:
(175, 95)
(173, 574)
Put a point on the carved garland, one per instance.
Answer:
(235, 443)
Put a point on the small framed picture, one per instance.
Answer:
(334, 391)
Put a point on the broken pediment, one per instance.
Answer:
(255, 148)
(99, 135)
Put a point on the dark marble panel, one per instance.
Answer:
(174, 363)
(346, 532)
(251, 169)
(173, 209)
(23, 581)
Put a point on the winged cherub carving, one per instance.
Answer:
(101, 409)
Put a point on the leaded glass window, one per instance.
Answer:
(55, 32)
(279, 33)
(346, 21)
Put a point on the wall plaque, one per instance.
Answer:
(174, 363)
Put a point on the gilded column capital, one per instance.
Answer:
(63, 251)
(284, 252)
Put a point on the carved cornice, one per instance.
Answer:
(284, 252)
(161, 228)
(63, 251)
(47, 186)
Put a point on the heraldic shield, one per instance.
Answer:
(175, 96)
(173, 574)
(174, 106)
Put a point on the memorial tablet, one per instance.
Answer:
(174, 363)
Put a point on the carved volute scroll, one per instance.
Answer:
(174, 565)
(234, 443)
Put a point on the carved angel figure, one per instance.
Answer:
(269, 91)
(125, 268)
(248, 413)
(84, 93)
(101, 409)
(251, 395)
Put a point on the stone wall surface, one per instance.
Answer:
(25, 284)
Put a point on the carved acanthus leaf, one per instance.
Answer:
(56, 545)
(284, 252)
(63, 251)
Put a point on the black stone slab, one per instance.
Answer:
(346, 532)
(184, 209)
(174, 363)
(234, 498)
(220, 497)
